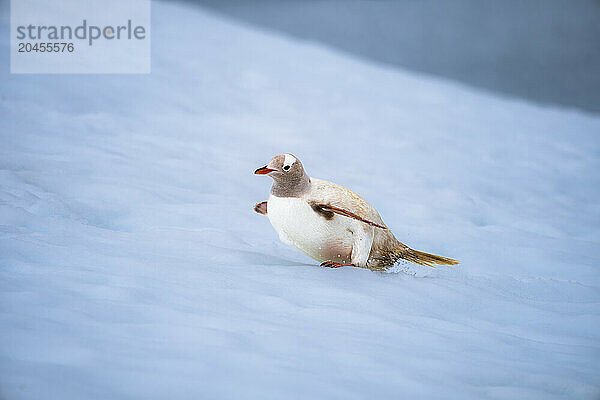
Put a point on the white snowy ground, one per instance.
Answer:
(133, 266)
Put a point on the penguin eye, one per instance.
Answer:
(286, 167)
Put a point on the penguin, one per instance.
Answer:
(330, 223)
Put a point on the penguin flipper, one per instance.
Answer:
(327, 209)
(261, 208)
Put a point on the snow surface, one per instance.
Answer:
(133, 266)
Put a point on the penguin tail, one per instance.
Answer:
(422, 258)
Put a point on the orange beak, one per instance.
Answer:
(263, 170)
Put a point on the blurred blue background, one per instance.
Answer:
(547, 51)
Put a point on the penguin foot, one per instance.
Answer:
(333, 264)
(261, 208)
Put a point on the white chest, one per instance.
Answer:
(298, 225)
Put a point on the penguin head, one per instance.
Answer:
(284, 169)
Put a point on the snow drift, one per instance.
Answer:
(133, 266)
